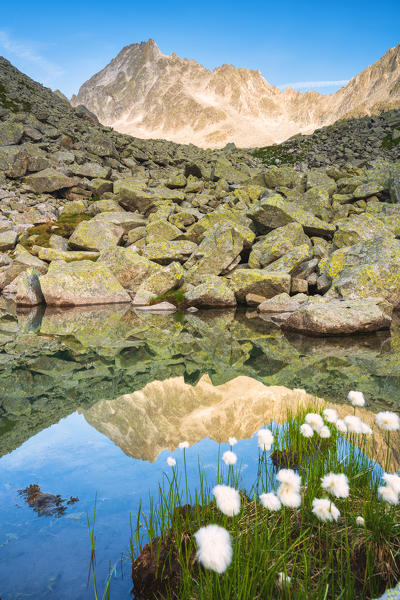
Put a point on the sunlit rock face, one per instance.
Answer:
(151, 95)
(164, 413)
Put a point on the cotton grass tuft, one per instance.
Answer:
(214, 548)
(171, 462)
(324, 432)
(265, 439)
(356, 398)
(315, 421)
(392, 481)
(270, 501)
(341, 426)
(336, 484)
(183, 445)
(330, 415)
(353, 424)
(227, 499)
(229, 457)
(387, 494)
(232, 441)
(360, 521)
(325, 510)
(388, 421)
(283, 581)
(306, 430)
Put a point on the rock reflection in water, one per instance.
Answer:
(164, 413)
(55, 361)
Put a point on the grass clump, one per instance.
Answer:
(389, 143)
(10, 103)
(349, 550)
(39, 235)
(282, 154)
(176, 297)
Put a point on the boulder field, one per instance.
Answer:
(91, 216)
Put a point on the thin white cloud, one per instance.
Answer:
(313, 84)
(26, 51)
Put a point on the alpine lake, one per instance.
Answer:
(94, 400)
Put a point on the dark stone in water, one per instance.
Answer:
(45, 505)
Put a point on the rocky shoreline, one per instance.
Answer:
(307, 232)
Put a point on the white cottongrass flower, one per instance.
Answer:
(360, 521)
(388, 421)
(324, 432)
(353, 424)
(365, 429)
(232, 441)
(330, 415)
(229, 457)
(228, 500)
(306, 430)
(171, 462)
(288, 496)
(315, 421)
(265, 439)
(283, 581)
(325, 510)
(183, 445)
(388, 494)
(214, 548)
(289, 490)
(336, 484)
(392, 481)
(270, 501)
(356, 398)
(341, 426)
(290, 478)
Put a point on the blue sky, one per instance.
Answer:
(62, 44)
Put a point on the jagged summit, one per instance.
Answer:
(150, 94)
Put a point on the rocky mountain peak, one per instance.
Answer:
(146, 93)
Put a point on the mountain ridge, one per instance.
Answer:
(149, 94)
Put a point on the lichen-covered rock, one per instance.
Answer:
(91, 170)
(359, 227)
(166, 279)
(275, 244)
(74, 207)
(125, 220)
(164, 252)
(366, 269)
(81, 283)
(274, 211)
(292, 259)
(284, 176)
(13, 161)
(104, 205)
(128, 266)
(29, 292)
(339, 317)
(50, 254)
(222, 217)
(219, 248)
(278, 304)
(176, 181)
(50, 180)
(134, 195)
(223, 169)
(260, 282)
(368, 189)
(162, 230)
(8, 239)
(10, 133)
(213, 291)
(96, 234)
